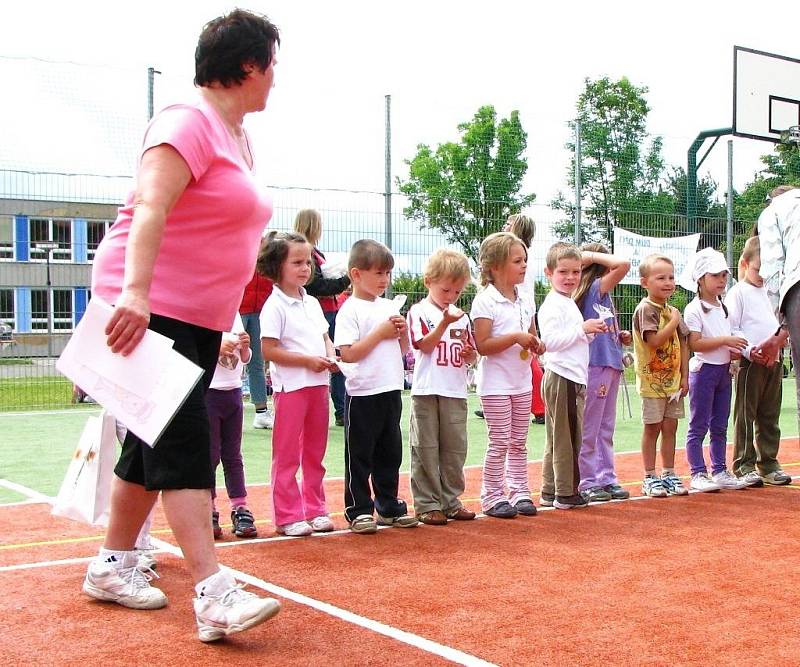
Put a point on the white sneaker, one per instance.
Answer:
(124, 583)
(777, 478)
(296, 529)
(321, 524)
(264, 420)
(147, 561)
(752, 478)
(700, 482)
(233, 611)
(725, 480)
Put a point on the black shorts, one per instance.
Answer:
(181, 458)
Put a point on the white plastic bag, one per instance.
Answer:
(85, 493)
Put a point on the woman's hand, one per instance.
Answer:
(128, 323)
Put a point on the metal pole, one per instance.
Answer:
(387, 184)
(151, 75)
(578, 194)
(691, 174)
(729, 229)
(49, 311)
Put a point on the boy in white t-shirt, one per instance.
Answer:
(759, 385)
(372, 335)
(443, 347)
(567, 336)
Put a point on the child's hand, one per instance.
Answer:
(758, 357)
(684, 387)
(538, 346)
(625, 337)
(735, 354)
(469, 354)
(399, 324)
(244, 340)
(735, 342)
(387, 330)
(595, 326)
(525, 340)
(318, 364)
(451, 314)
(227, 347)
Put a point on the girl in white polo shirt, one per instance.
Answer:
(505, 335)
(709, 377)
(294, 339)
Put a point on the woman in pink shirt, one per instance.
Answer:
(176, 261)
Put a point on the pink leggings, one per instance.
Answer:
(299, 439)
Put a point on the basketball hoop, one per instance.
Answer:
(791, 136)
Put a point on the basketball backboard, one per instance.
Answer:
(766, 94)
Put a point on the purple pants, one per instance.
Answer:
(709, 407)
(596, 461)
(225, 419)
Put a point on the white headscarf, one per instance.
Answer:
(705, 261)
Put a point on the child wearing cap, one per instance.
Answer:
(713, 345)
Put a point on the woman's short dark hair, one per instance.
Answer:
(274, 251)
(229, 43)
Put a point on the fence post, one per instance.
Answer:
(387, 186)
(729, 227)
(578, 182)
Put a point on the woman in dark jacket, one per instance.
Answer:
(309, 223)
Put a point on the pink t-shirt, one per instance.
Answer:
(211, 238)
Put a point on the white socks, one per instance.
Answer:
(215, 585)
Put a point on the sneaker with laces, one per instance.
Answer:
(777, 478)
(403, 521)
(546, 499)
(233, 611)
(702, 484)
(616, 492)
(295, 529)
(752, 478)
(725, 480)
(244, 525)
(264, 419)
(654, 487)
(525, 507)
(215, 527)
(146, 559)
(321, 524)
(596, 495)
(673, 484)
(503, 510)
(363, 524)
(123, 582)
(576, 501)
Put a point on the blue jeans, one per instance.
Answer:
(709, 407)
(337, 379)
(255, 369)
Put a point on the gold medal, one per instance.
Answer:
(524, 354)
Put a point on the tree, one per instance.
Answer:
(467, 189)
(620, 171)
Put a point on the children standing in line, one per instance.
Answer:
(759, 387)
(505, 334)
(709, 372)
(442, 343)
(567, 336)
(661, 355)
(225, 413)
(372, 335)
(601, 273)
(294, 339)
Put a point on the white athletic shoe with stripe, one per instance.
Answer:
(235, 610)
(124, 582)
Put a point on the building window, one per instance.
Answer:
(95, 231)
(62, 310)
(51, 230)
(6, 237)
(7, 308)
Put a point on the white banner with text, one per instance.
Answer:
(635, 248)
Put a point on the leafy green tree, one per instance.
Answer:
(466, 189)
(621, 166)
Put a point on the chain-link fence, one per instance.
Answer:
(55, 209)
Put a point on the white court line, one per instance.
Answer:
(454, 655)
(25, 491)
(46, 563)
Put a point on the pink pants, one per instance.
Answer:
(506, 459)
(299, 439)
